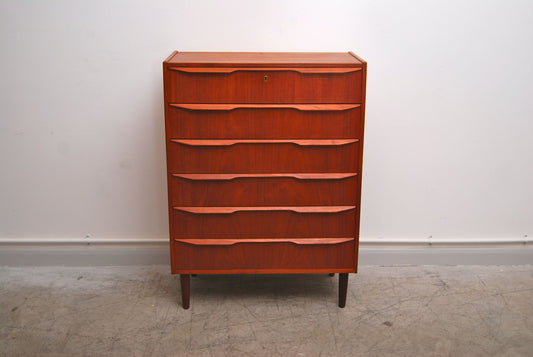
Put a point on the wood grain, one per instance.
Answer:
(263, 121)
(298, 176)
(297, 241)
(264, 160)
(264, 59)
(302, 107)
(261, 158)
(242, 223)
(274, 257)
(263, 189)
(229, 70)
(281, 87)
(299, 142)
(295, 209)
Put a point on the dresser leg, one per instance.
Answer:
(185, 280)
(343, 289)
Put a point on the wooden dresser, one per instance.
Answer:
(264, 158)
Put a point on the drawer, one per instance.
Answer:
(263, 189)
(262, 156)
(263, 85)
(264, 121)
(263, 222)
(231, 256)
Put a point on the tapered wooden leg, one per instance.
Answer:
(185, 280)
(343, 289)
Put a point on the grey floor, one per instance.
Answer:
(390, 311)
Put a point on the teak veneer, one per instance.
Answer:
(264, 161)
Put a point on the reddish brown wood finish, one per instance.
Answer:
(263, 256)
(264, 158)
(245, 122)
(298, 176)
(360, 170)
(301, 107)
(231, 142)
(295, 209)
(274, 223)
(229, 70)
(262, 190)
(264, 86)
(264, 59)
(299, 241)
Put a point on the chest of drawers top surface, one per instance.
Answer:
(270, 59)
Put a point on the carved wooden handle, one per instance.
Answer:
(298, 241)
(223, 142)
(298, 176)
(301, 107)
(302, 70)
(296, 209)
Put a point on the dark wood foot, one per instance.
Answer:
(185, 280)
(331, 274)
(343, 289)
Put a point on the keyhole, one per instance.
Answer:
(266, 78)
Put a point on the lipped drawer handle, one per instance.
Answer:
(227, 70)
(298, 176)
(301, 107)
(297, 241)
(223, 142)
(296, 209)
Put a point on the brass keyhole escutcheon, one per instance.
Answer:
(266, 78)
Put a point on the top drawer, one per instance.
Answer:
(263, 85)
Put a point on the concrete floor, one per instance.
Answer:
(390, 311)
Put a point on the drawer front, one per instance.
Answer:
(263, 85)
(263, 222)
(263, 189)
(219, 121)
(247, 256)
(256, 156)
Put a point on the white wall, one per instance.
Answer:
(448, 149)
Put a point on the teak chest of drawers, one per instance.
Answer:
(264, 158)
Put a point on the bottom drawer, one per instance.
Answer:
(263, 255)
